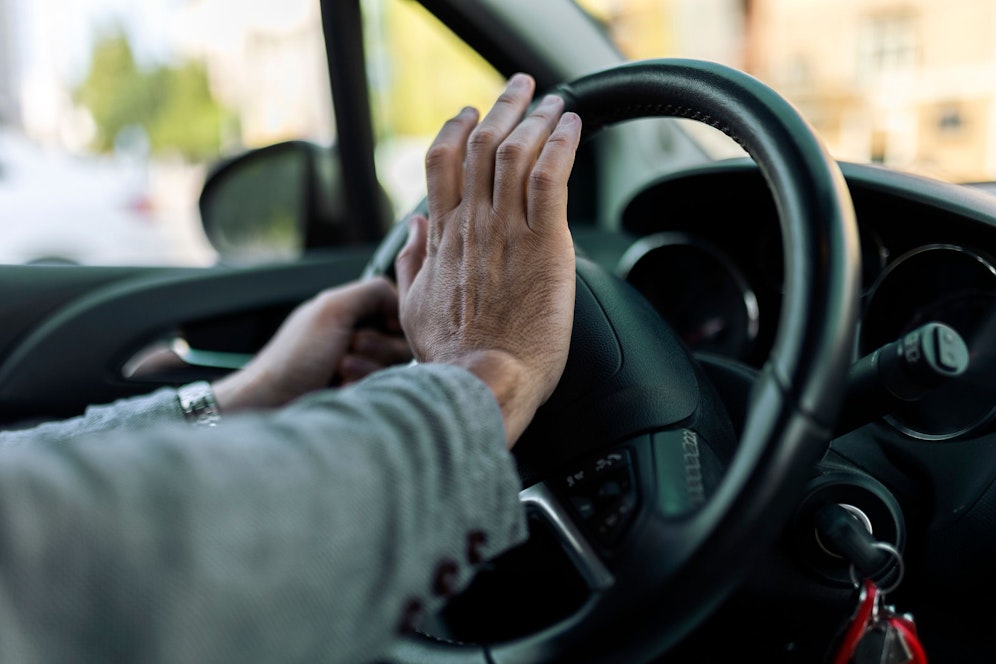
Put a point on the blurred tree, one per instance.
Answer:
(188, 119)
(114, 91)
(172, 104)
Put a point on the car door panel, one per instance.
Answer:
(72, 336)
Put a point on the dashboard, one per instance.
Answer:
(706, 252)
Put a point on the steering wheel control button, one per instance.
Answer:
(612, 523)
(602, 494)
(950, 350)
(610, 461)
(955, 394)
(610, 490)
(932, 353)
(584, 506)
(902, 372)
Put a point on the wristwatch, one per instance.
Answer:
(198, 404)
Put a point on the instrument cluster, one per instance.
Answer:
(708, 256)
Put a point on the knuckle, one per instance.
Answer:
(544, 178)
(453, 125)
(559, 141)
(324, 306)
(439, 154)
(326, 298)
(507, 98)
(404, 256)
(544, 114)
(483, 138)
(511, 150)
(408, 254)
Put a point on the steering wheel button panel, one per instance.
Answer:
(584, 506)
(610, 461)
(602, 493)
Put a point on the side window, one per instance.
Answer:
(111, 114)
(421, 74)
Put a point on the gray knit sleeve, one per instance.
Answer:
(158, 407)
(309, 534)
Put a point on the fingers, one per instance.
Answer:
(444, 163)
(412, 255)
(383, 349)
(353, 368)
(348, 304)
(547, 195)
(518, 153)
(370, 351)
(484, 140)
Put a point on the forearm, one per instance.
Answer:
(263, 539)
(156, 408)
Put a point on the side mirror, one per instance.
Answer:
(272, 203)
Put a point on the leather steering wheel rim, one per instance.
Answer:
(794, 402)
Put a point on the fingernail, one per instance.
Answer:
(571, 119)
(551, 104)
(518, 81)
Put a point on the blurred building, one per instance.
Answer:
(9, 80)
(907, 83)
(701, 29)
(910, 83)
(266, 61)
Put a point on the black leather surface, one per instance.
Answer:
(822, 251)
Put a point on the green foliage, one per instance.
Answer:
(172, 104)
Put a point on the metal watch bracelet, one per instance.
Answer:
(198, 404)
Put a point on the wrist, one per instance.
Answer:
(237, 391)
(508, 379)
(198, 404)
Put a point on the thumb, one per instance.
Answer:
(412, 256)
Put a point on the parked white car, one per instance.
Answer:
(58, 208)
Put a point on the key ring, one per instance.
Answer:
(900, 569)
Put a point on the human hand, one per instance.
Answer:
(488, 283)
(319, 344)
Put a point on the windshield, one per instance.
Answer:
(910, 85)
(113, 112)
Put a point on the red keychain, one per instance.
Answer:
(906, 630)
(858, 624)
(876, 634)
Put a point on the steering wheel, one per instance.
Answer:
(632, 463)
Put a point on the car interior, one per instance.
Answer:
(780, 382)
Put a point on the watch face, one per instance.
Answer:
(198, 404)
